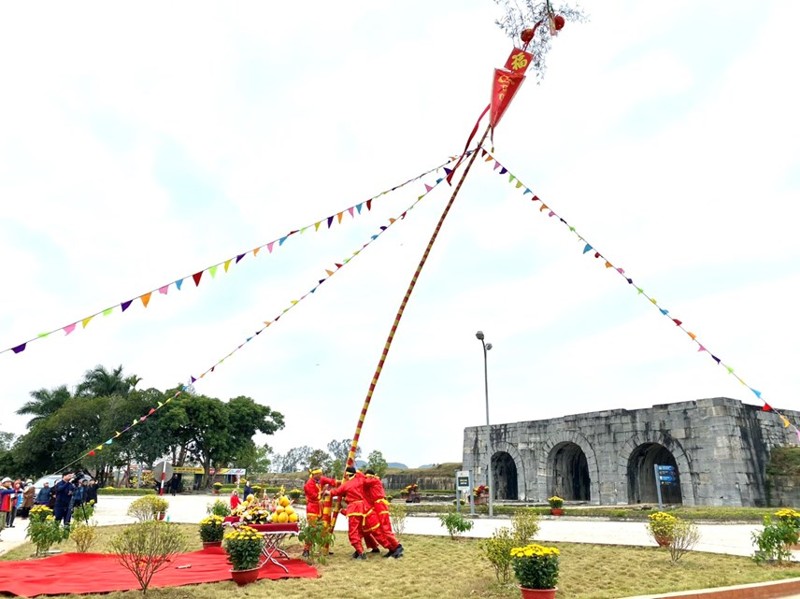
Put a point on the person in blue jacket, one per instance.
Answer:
(63, 491)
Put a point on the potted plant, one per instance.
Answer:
(217, 486)
(661, 527)
(43, 530)
(243, 546)
(211, 531)
(536, 569)
(481, 494)
(556, 505)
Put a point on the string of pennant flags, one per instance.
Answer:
(329, 272)
(353, 211)
(590, 248)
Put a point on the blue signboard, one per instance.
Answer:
(667, 479)
(666, 468)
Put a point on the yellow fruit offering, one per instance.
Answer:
(284, 501)
(278, 509)
(289, 510)
(293, 517)
(281, 517)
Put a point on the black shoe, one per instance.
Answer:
(376, 550)
(357, 555)
(398, 552)
(305, 554)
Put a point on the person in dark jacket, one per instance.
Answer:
(91, 492)
(43, 496)
(174, 485)
(63, 492)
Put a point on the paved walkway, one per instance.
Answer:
(733, 539)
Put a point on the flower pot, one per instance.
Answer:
(556, 511)
(161, 515)
(243, 577)
(663, 541)
(208, 544)
(537, 593)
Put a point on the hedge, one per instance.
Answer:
(113, 491)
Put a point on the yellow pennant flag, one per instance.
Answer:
(146, 298)
(316, 226)
(785, 421)
(86, 321)
(227, 264)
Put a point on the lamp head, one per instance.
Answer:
(488, 346)
(479, 335)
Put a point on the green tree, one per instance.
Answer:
(296, 459)
(320, 459)
(44, 404)
(340, 450)
(256, 458)
(100, 382)
(376, 463)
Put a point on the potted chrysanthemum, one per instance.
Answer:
(211, 531)
(536, 570)
(661, 527)
(556, 505)
(243, 546)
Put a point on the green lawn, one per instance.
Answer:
(441, 568)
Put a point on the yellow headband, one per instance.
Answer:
(316, 471)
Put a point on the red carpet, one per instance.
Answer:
(82, 573)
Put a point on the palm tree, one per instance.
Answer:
(44, 404)
(99, 382)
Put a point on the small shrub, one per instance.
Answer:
(295, 494)
(555, 501)
(397, 516)
(218, 508)
(455, 523)
(773, 541)
(789, 516)
(147, 508)
(685, 535)
(43, 530)
(497, 550)
(525, 526)
(83, 512)
(318, 538)
(147, 547)
(114, 491)
(84, 536)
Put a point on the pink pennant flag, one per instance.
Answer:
(69, 328)
(350, 210)
(428, 188)
(269, 246)
(163, 290)
(701, 348)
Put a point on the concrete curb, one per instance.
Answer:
(762, 590)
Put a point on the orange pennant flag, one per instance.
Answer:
(339, 217)
(255, 252)
(145, 298)
(330, 272)
(692, 335)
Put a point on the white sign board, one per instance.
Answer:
(462, 481)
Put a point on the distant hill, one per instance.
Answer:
(398, 465)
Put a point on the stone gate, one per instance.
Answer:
(718, 447)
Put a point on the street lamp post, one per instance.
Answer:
(489, 482)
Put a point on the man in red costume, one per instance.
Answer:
(361, 517)
(313, 490)
(376, 496)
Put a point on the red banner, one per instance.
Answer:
(504, 87)
(518, 61)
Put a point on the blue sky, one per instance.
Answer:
(142, 145)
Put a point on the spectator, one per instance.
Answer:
(28, 496)
(174, 484)
(91, 492)
(43, 496)
(6, 494)
(63, 498)
(16, 499)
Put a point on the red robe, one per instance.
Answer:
(376, 496)
(313, 491)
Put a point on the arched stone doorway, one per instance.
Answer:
(569, 472)
(642, 477)
(504, 475)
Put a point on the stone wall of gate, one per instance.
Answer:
(720, 446)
